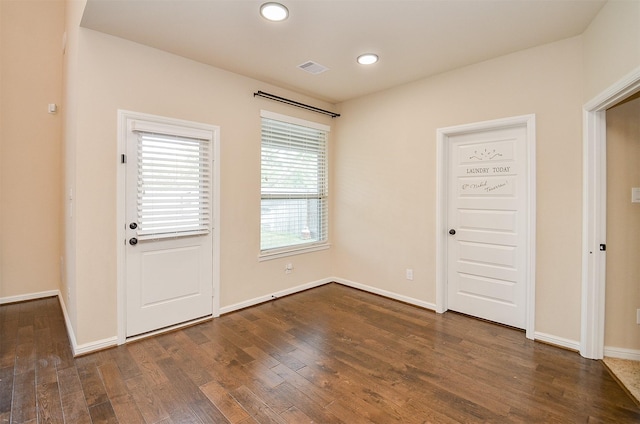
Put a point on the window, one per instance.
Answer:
(173, 181)
(294, 186)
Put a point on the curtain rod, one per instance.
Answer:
(294, 103)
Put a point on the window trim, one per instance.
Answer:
(291, 250)
(284, 252)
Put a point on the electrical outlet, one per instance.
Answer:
(288, 268)
(409, 274)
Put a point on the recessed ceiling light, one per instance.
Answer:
(367, 59)
(274, 12)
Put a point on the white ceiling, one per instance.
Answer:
(414, 39)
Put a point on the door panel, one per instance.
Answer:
(161, 267)
(167, 283)
(490, 289)
(487, 201)
(169, 246)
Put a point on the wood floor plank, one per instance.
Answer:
(295, 416)
(207, 412)
(126, 409)
(263, 357)
(112, 380)
(262, 373)
(186, 353)
(195, 333)
(6, 391)
(23, 408)
(69, 380)
(304, 404)
(25, 354)
(74, 406)
(48, 400)
(228, 372)
(187, 393)
(178, 410)
(226, 403)
(271, 396)
(322, 396)
(145, 353)
(147, 401)
(103, 413)
(8, 346)
(328, 355)
(92, 385)
(123, 359)
(259, 410)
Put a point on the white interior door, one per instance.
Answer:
(487, 244)
(169, 241)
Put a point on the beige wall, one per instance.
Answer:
(612, 46)
(385, 168)
(115, 74)
(623, 226)
(30, 146)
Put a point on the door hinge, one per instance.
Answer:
(603, 247)
(123, 158)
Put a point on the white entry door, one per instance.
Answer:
(169, 241)
(487, 224)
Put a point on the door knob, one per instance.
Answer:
(133, 225)
(133, 241)
(452, 231)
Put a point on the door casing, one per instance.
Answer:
(123, 115)
(443, 135)
(594, 208)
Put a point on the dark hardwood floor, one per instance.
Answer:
(328, 355)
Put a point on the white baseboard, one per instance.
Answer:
(85, 348)
(385, 293)
(30, 296)
(272, 296)
(622, 353)
(67, 321)
(557, 341)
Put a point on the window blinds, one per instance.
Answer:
(174, 186)
(294, 186)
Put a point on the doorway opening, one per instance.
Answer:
(594, 213)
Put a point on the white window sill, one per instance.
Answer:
(291, 252)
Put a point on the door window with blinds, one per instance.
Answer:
(173, 181)
(294, 185)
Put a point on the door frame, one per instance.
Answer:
(594, 212)
(442, 166)
(121, 172)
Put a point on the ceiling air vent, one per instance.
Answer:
(313, 67)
